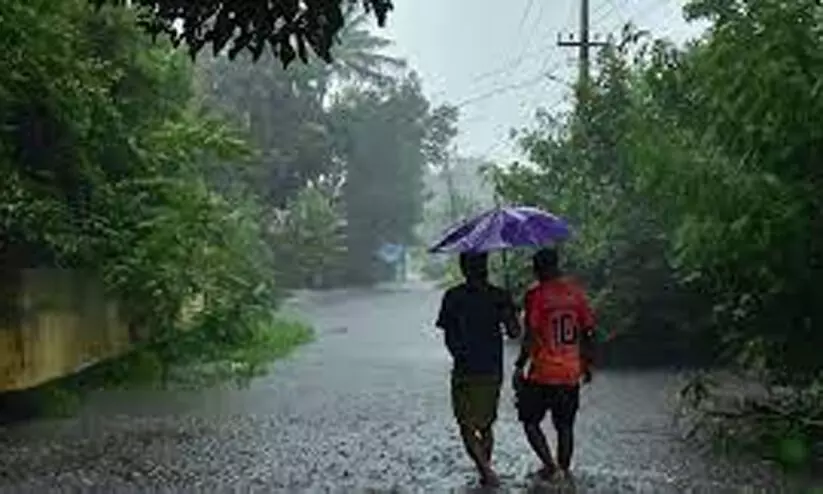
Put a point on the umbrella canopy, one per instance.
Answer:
(503, 228)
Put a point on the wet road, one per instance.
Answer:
(365, 406)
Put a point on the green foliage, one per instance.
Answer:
(289, 28)
(302, 145)
(203, 358)
(577, 168)
(746, 237)
(692, 178)
(109, 167)
(281, 112)
(142, 368)
(308, 240)
(357, 56)
(54, 402)
(386, 136)
(204, 363)
(210, 360)
(784, 425)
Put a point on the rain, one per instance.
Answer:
(231, 235)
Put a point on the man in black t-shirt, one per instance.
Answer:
(472, 316)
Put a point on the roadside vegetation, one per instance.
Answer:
(692, 175)
(202, 191)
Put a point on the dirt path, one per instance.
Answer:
(365, 406)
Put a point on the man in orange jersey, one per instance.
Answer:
(557, 346)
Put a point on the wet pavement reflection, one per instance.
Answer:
(363, 407)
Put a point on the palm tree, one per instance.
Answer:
(357, 57)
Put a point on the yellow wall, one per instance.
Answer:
(64, 323)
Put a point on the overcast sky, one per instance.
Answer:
(491, 58)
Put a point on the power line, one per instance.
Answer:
(618, 9)
(498, 143)
(537, 22)
(508, 67)
(543, 75)
(601, 13)
(525, 15)
(515, 62)
(486, 116)
(512, 61)
(518, 85)
(647, 11)
(550, 74)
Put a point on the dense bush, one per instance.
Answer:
(105, 159)
(309, 240)
(693, 177)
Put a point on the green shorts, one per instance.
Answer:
(475, 399)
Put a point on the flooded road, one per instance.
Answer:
(364, 407)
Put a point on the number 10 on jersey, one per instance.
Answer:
(564, 328)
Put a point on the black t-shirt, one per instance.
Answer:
(472, 318)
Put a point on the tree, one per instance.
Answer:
(282, 112)
(741, 122)
(584, 172)
(309, 240)
(300, 141)
(103, 154)
(447, 200)
(693, 177)
(357, 56)
(290, 28)
(384, 136)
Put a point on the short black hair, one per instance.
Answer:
(474, 265)
(546, 263)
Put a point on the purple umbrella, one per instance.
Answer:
(503, 228)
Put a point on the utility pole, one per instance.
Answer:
(584, 43)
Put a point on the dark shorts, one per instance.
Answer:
(475, 399)
(535, 400)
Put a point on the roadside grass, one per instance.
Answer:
(191, 361)
(783, 426)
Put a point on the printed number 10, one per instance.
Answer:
(564, 329)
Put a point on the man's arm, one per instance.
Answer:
(447, 321)
(587, 352)
(588, 342)
(525, 349)
(525, 345)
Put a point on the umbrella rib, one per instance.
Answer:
(500, 228)
(493, 220)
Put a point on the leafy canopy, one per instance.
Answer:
(289, 28)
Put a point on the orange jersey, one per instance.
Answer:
(557, 312)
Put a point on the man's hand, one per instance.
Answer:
(513, 327)
(513, 331)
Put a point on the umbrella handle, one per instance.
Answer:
(506, 277)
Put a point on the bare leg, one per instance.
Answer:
(565, 446)
(488, 443)
(540, 445)
(473, 442)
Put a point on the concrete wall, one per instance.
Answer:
(54, 323)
